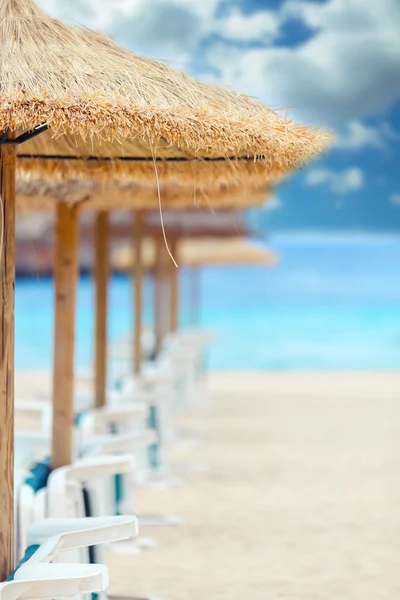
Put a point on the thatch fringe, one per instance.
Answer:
(275, 140)
(196, 173)
(42, 196)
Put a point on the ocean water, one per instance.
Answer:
(333, 302)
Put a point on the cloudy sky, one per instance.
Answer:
(329, 62)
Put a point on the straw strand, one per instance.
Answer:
(161, 215)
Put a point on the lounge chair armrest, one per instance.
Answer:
(47, 581)
(59, 535)
(121, 412)
(120, 443)
(93, 467)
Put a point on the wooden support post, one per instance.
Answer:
(157, 273)
(137, 277)
(161, 295)
(7, 281)
(101, 272)
(65, 283)
(174, 288)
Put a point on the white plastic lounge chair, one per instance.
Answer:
(81, 539)
(33, 496)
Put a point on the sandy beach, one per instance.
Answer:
(301, 498)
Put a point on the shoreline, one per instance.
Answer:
(379, 381)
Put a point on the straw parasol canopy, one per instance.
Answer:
(202, 252)
(110, 112)
(43, 196)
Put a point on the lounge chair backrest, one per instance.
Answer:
(31, 503)
(120, 428)
(86, 489)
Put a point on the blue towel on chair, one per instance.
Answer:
(29, 552)
(38, 475)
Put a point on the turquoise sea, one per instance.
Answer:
(333, 302)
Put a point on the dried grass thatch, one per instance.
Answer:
(42, 196)
(86, 87)
(116, 163)
(202, 252)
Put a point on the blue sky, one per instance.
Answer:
(331, 62)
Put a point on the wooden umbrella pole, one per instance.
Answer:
(159, 293)
(165, 291)
(174, 287)
(101, 272)
(7, 281)
(156, 295)
(138, 292)
(65, 283)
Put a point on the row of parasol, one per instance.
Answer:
(86, 124)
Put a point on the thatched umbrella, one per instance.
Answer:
(114, 113)
(69, 94)
(44, 196)
(194, 253)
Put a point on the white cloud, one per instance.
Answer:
(351, 16)
(339, 182)
(86, 12)
(357, 135)
(347, 70)
(262, 26)
(170, 30)
(395, 199)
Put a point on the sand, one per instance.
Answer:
(301, 500)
